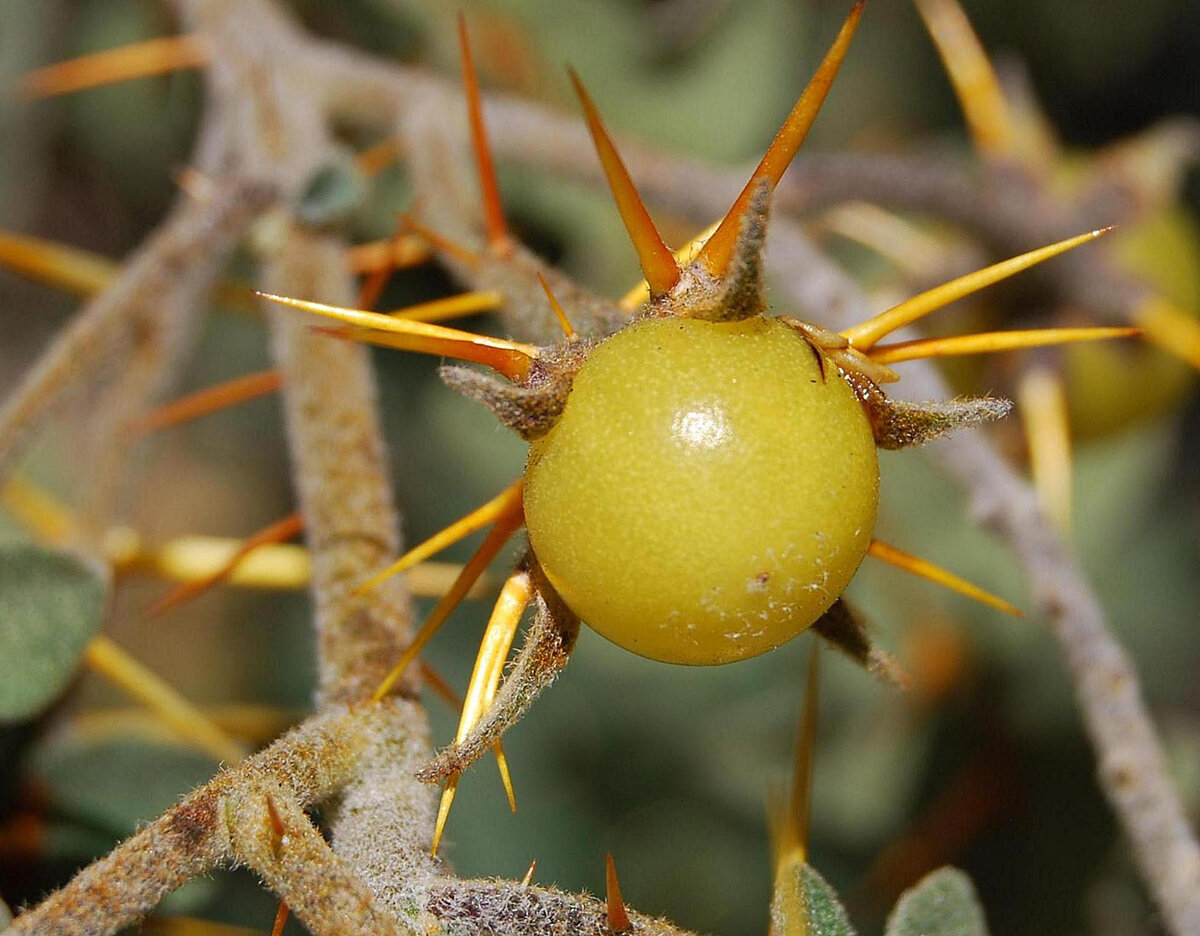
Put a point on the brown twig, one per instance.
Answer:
(132, 318)
(338, 460)
(306, 765)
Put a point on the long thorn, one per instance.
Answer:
(377, 279)
(509, 358)
(77, 271)
(485, 678)
(40, 512)
(717, 253)
(443, 813)
(281, 918)
(905, 245)
(278, 566)
(556, 307)
(469, 303)
(989, 342)
(864, 335)
(528, 878)
(376, 158)
(988, 116)
(393, 253)
(441, 243)
(505, 527)
(437, 682)
(498, 237)
(1170, 328)
(614, 906)
(278, 532)
(792, 819)
(209, 400)
(933, 573)
(1043, 403)
(506, 503)
(658, 263)
(640, 293)
(136, 60)
(447, 694)
(118, 667)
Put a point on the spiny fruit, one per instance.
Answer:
(708, 491)
(702, 480)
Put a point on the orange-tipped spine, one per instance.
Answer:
(614, 906)
(58, 265)
(925, 569)
(510, 358)
(506, 503)
(210, 400)
(505, 527)
(124, 63)
(865, 335)
(498, 237)
(987, 113)
(992, 342)
(658, 263)
(719, 250)
(485, 678)
(556, 307)
(278, 532)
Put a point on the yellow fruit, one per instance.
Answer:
(707, 493)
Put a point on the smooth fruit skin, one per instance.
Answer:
(706, 495)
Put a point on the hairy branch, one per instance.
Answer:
(152, 297)
(338, 460)
(307, 764)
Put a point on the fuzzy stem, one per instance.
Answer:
(338, 460)
(192, 838)
(169, 273)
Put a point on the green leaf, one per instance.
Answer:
(826, 915)
(943, 903)
(116, 782)
(805, 905)
(51, 603)
(333, 191)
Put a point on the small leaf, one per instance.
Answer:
(805, 905)
(5, 915)
(51, 603)
(332, 193)
(942, 903)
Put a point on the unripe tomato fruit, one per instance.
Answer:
(707, 492)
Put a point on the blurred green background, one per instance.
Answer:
(665, 767)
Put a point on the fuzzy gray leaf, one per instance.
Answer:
(805, 905)
(51, 603)
(943, 903)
